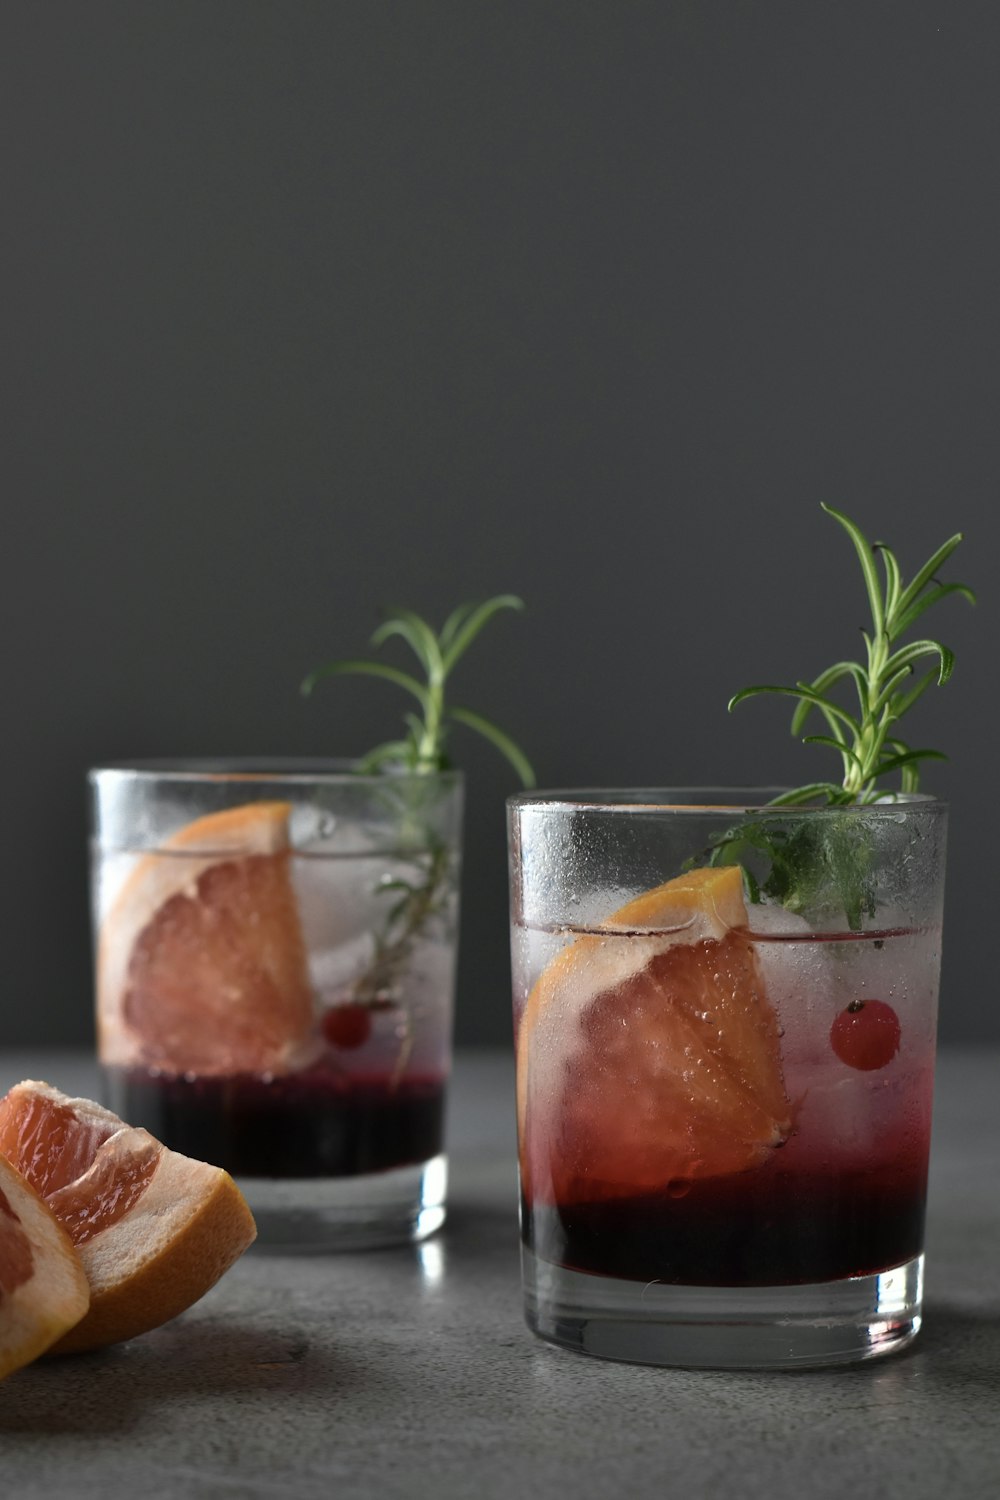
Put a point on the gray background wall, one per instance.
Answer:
(312, 307)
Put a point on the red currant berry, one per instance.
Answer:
(347, 1026)
(866, 1035)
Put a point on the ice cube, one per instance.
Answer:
(799, 978)
(334, 970)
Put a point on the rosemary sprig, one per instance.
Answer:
(810, 863)
(813, 860)
(381, 983)
(868, 746)
(422, 752)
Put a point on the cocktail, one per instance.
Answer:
(275, 959)
(724, 1105)
(275, 977)
(725, 1013)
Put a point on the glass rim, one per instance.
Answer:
(296, 770)
(709, 800)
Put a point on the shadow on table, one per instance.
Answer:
(112, 1390)
(961, 1345)
(481, 1228)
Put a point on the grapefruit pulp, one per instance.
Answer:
(648, 1053)
(201, 961)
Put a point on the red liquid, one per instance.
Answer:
(791, 1221)
(316, 1123)
(843, 1196)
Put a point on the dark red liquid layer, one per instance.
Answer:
(317, 1123)
(762, 1228)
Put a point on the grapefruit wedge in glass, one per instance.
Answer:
(153, 1230)
(43, 1288)
(648, 1051)
(201, 960)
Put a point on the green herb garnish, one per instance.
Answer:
(421, 753)
(866, 741)
(810, 858)
(809, 861)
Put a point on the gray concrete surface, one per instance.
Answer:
(410, 1373)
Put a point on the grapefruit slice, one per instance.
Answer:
(153, 1230)
(43, 1289)
(648, 1053)
(201, 961)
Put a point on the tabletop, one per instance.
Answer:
(410, 1372)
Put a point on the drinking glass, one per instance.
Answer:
(275, 952)
(725, 1017)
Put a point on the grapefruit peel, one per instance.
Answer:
(43, 1287)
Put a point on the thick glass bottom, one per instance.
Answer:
(329, 1214)
(710, 1327)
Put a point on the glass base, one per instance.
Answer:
(709, 1327)
(348, 1213)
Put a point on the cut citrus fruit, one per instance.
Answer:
(43, 1289)
(648, 1052)
(154, 1230)
(201, 963)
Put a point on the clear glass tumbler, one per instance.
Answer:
(275, 953)
(725, 1017)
